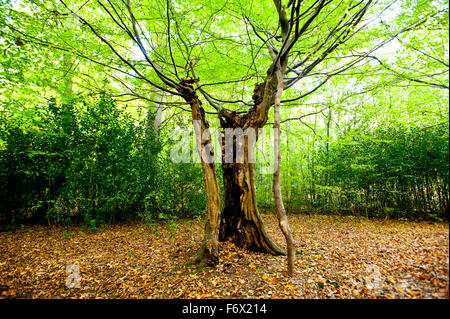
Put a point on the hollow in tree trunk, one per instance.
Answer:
(240, 219)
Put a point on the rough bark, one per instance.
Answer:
(241, 221)
(208, 252)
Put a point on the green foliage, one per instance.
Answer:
(389, 172)
(90, 162)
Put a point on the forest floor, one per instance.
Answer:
(338, 257)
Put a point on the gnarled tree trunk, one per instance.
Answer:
(240, 220)
(208, 252)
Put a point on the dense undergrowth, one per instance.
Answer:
(92, 162)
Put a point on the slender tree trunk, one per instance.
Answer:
(153, 123)
(327, 160)
(313, 172)
(158, 115)
(281, 212)
(288, 187)
(67, 83)
(68, 62)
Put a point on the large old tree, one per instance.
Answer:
(230, 61)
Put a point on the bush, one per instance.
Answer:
(389, 172)
(90, 162)
(396, 172)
